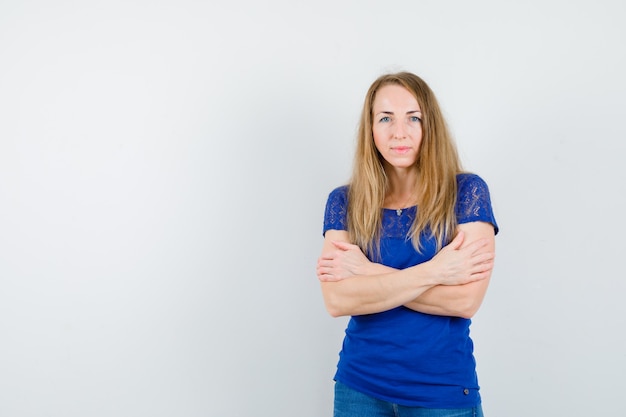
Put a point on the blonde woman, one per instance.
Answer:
(409, 246)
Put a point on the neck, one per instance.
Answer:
(402, 189)
(402, 182)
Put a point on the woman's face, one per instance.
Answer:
(397, 126)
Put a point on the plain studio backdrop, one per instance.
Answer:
(164, 167)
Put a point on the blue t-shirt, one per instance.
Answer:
(401, 355)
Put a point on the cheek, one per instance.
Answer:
(418, 134)
(377, 139)
(417, 129)
(378, 146)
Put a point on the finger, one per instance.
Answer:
(342, 245)
(477, 245)
(328, 256)
(485, 267)
(331, 278)
(325, 261)
(457, 241)
(483, 257)
(326, 278)
(479, 276)
(319, 272)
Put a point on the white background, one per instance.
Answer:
(164, 167)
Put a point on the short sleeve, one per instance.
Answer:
(335, 216)
(473, 201)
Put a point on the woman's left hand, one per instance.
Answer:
(345, 261)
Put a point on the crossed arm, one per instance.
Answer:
(453, 283)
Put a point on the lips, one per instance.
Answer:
(401, 149)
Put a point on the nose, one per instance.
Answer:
(399, 131)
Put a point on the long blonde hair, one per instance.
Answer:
(437, 164)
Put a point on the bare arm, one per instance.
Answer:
(460, 300)
(384, 289)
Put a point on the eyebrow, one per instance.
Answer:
(390, 112)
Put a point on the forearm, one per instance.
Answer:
(454, 300)
(443, 300)
(367, 294)
(351, 285)
(459, 300)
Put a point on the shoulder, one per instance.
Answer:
(340, 193)
(338, 200)
(467, 181)
(471, 187)
(473, 200)
(335, 215)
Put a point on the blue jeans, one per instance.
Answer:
(351, 403)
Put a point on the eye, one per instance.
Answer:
(385, 119)
(415, 119)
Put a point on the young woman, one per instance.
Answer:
(408, 253)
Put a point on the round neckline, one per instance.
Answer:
(403, 208)
(398, 213)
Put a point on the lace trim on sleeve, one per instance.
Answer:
(473, 201)
(335, 216)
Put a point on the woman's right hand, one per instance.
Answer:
(346, 260)
(456, 266)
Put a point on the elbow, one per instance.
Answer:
(334, 309)
(468, 310)
(335, 304)
(466, 314)
(334, 313)
(468, 305)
